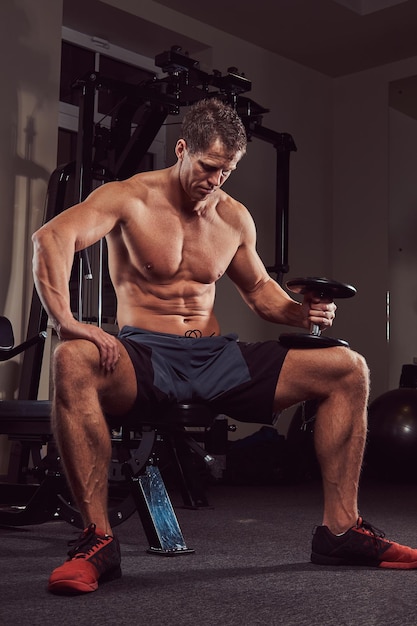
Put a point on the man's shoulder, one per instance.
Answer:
(228, 205)
(139, 185)
(150, 177)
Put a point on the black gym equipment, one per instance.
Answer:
(324, 289)
(136, 481)
(301, 461)
(36, 489)
(392, 436)
(392, 432)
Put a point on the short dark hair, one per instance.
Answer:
(210, 119)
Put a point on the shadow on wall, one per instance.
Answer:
(23, 70)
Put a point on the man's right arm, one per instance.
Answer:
(54, 246)
(53, 254)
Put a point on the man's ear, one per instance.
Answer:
(180, 149)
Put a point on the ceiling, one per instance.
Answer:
(334, 37)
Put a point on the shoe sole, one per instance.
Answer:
(75, 587)
(320, 559)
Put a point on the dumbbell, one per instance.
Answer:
(325, 289)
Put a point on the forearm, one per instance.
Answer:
(51, 273)
(272, 303)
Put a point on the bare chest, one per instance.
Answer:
(168, 250)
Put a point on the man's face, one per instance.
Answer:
(202, 173)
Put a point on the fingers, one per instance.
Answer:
(109, 351)
(322, 313)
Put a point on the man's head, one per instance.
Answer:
(209, 120)
(211, 146)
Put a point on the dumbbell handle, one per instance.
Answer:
(322, 288)
(315, 330)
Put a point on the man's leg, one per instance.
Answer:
(338, 379)
(82, 391)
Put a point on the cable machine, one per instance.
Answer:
(111, 153)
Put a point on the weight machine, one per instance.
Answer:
(111, 153)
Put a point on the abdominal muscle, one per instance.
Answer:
(176, 315)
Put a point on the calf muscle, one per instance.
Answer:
(83, 392)
(339, 380)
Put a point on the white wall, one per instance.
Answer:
(402, 243)
(30, 66)
(28, 131)
(361, 225)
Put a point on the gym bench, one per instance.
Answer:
(36, 490)
(135, 480)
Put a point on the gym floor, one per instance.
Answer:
(251, 566)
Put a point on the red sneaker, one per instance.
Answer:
(360, 545)
(94, 558)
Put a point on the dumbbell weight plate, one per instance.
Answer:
(322, 286)
(304, 340)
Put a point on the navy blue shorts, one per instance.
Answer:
(234, 378)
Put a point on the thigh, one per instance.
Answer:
(311, 374)
(119, 388)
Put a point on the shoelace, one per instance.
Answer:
(85, 543)
(376, 532)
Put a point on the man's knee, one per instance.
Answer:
(72, 359)
(356, 372)
(360, 365)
